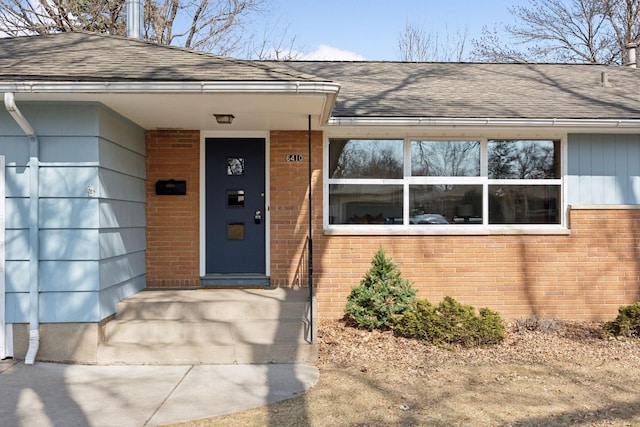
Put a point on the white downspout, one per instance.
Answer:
(34, 200)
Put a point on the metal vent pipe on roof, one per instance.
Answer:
(135, 23)
(632, 60)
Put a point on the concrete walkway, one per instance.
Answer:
(48, 394)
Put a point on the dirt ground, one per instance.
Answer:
(559, 374)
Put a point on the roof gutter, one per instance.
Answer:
(483, 122)
(241, 87)
(34, 200)
(328, 89)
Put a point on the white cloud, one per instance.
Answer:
(329, 53)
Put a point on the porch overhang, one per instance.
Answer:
(191, 105)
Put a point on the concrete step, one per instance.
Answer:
(215, 326)
(136, 354)
(220, 332)
(215, 304)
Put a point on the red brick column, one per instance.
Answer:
(173, 222)
(289, 207)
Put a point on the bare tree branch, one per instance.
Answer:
(582, 31)
(217, 26)
(416, 45)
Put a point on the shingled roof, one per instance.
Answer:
(83, 56)
(368, 89)
(477, 90)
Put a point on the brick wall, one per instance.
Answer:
(173, 226)
(586, 275)
(290, 204)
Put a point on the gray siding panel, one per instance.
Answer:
(16, 245)
(17, 181)
(68, 181)
(92, 211)
(121, 159)
(17, 213)
(17, 276)
(117, 213)
(69, 307)
(15, 149)
(115, 128)
(17, 307)
(62, 119)
(69, 150)
(109, 297)
(118, 186)
(121, 241)
(55, 307)
(69, 213)
(603, 169)
(120, 269)
(69, 245)
(68, 276)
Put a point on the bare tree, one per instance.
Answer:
(210, 26)
(20, 17)
(416, 45)
(582, 31)
(275, 44)
(624, 18)
(218, 26)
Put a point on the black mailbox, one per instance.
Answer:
(171, 188)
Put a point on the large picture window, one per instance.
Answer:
(422, 184)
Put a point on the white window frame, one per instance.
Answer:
(458, 229)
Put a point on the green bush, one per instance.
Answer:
(627, 323)
(382, 296)
(451, 323)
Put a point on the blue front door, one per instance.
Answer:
(235, 202)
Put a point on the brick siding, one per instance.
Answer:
(173, 222)
(587, 274)
(290, 204)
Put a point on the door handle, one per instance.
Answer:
(257, 218)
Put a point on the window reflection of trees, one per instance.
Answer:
(445, 181)
(445, 158)
(366, 159)
(523, 159)
(513, 204)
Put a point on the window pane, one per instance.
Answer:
(365, 204)
(445, 158)
(360, 158)
(445, 204)
(524, 159)
(521, 204)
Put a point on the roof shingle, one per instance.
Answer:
(368, 89)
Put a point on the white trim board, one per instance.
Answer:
(6, 336)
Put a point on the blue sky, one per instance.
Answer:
(369, 29)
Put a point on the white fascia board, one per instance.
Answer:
(36, 86)
(485, 122)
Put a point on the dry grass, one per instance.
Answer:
(551, 374)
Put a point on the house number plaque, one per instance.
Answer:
(294, 157)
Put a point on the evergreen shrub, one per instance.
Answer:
(451, 323)
(382, 296)
(627, 323)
